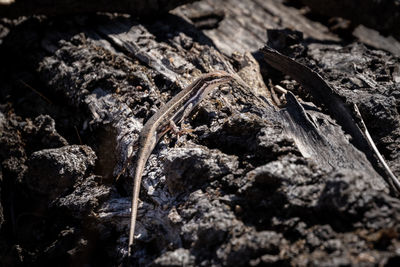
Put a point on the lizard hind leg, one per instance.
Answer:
(183, 130)
(178, 131)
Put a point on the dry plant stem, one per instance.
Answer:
(392, 177)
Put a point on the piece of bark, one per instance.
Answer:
(383, 16)
(373, 38)
(253, 18)
(139, 8)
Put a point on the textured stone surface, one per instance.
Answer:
(53, 171)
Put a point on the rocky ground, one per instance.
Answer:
(248, 185)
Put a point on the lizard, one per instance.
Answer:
(165, 119)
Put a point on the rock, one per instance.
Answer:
(176, 258)
(88, 193)
(241, 250)
(188, 167)
(53, 171)
(41, 133)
